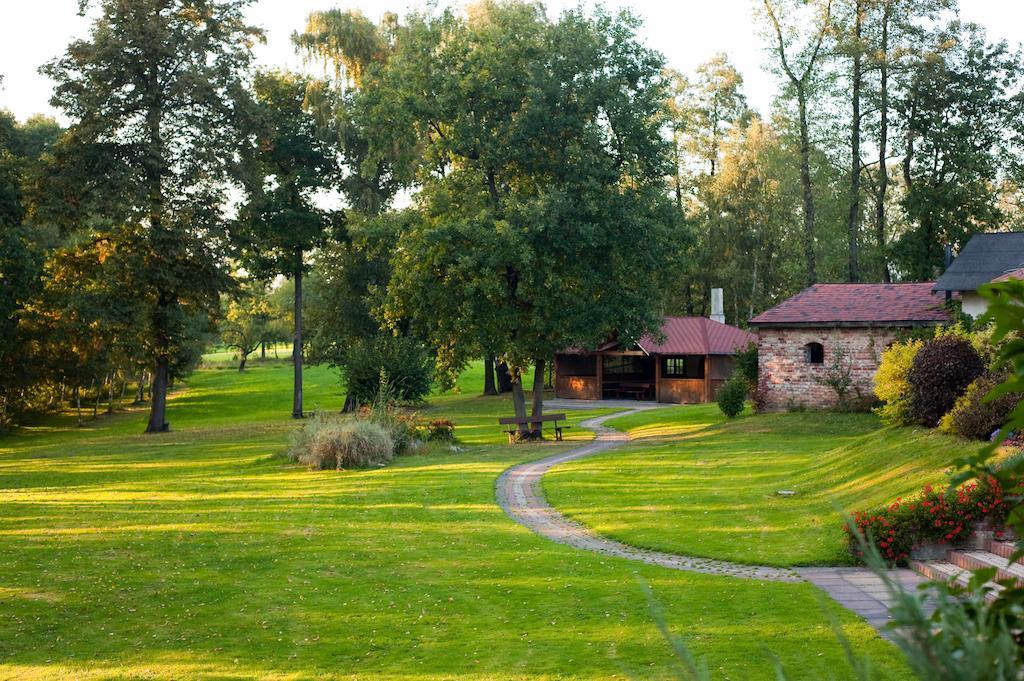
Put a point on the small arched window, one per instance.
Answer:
(814, 353)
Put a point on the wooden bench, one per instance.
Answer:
(553, 421)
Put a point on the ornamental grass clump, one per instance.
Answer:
(332, 443)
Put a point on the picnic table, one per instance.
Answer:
(553, 422)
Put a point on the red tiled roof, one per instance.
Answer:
(697, 336)
(858, 305)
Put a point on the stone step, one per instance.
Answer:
(1001, 548)
(944, 571)
(978, 560)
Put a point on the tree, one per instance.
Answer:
(964, 123)
(153, 93)
(284, 168)
(541, 222)
(245, 323)
(800, 66)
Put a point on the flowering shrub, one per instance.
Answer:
(932, 517)
(441, 430)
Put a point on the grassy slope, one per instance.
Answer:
(698, 485)
(198, 554)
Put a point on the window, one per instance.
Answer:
(814, 353)
(686, 366)
(577, 365)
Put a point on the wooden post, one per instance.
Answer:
(600, 376)
(657, 378)
(707, 378)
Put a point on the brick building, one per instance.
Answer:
(802, 338)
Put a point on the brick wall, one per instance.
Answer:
(792, 381)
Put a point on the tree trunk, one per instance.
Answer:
(519, 405)
(883, 143)
(489, 386)
(808, 187)
(297, 346)
(263, 350)
(96, 389)
(504, 378)
(853, 218)
(537, 407)
(140, 393)
(110, 394)
(158, 409)
(78, 404)
(241, 362)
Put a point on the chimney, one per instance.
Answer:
(717, 309)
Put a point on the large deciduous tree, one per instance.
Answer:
(285, 166)
(964, 134)
(153, 94)
(541, 220)
(797, 51)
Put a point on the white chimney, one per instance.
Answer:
(717, 309)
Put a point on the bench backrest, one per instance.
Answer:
(515, 420)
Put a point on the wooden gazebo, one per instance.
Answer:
(694, 360)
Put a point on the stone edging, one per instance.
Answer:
(520, 496)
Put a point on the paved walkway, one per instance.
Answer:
(520, 496)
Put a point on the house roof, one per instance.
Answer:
(697, 336)
(858, 305)
(984, 258)
(1012, 274)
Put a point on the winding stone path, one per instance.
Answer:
(520, 496)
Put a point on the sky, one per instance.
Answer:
(687, 32)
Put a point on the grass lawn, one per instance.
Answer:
(699, 485)
(200, 554)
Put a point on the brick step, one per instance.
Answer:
(1004, 549)
(978, 560)
(944, 571)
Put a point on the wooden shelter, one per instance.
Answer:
(688, 366)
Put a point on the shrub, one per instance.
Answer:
(891, 384)
(732, 395)
(401, 425)
(747, 365)
(973, 417)
(939, 374)
(441, 430)
(759, 395)
(402, 364)
(932, 517)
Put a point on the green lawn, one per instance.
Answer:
(698, 485)
(200, 554)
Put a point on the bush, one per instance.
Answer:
(932, 517)
(401, 364)
(326, 442)
(441, 430)
(973, 417)
(732, 395)
(891, 384)
(747, 365)
(939, 374)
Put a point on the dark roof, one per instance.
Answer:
(858, 305)
(984, 258)
(697, 336)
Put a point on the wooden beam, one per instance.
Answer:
(707, 378)
(657, 378)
